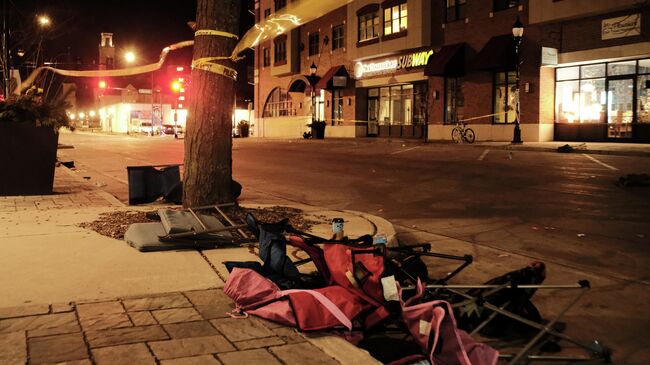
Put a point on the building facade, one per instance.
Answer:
(414, 68)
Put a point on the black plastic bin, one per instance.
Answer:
(148, 183)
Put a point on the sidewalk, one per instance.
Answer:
(71, 295)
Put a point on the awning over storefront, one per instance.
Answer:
(336, 77)
(497, 54)
(450, 60)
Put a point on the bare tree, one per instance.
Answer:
(208, 140)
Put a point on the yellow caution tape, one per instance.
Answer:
(207, 64)
(294, 15)
(136, 70)
(216, 33)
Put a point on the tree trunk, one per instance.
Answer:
(208, 139)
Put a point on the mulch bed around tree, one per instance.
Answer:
(115, 224)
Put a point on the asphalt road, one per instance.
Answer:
(563, 209)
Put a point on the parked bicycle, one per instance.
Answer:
(461, 133)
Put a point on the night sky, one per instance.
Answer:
(145, 26)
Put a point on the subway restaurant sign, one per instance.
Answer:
(393, 64)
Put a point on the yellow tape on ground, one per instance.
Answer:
(216, 33)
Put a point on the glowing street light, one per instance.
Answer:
(44, 21)
(91, 113)
(129, 57)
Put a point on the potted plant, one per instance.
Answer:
(243, 128)
(317, 129)
(29, 134)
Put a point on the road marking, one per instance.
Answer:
(599, 162)
(483, 155)
(406, 150)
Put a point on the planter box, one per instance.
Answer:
(27, 159)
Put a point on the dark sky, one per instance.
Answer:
(143, 25)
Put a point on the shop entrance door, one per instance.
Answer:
(620, 107)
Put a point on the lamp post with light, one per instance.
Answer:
(312, 84)
(43, 22)
(518, 33)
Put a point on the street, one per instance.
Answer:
(563, 209)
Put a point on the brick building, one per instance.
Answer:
(412, 68)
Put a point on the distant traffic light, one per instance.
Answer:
(176, 86)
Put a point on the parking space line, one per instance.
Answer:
(406, 150)
(483, 155)
(599, 162)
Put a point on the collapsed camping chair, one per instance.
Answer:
(359, 292)
(503, 305)
(193, 228)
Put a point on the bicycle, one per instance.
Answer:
(461, 133)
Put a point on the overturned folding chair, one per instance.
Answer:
(193, 228)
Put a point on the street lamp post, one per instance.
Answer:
(44, 22)
(312, 82)
(517, 32)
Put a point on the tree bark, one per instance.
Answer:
(208, 139)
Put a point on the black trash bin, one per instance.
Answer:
(148, 183)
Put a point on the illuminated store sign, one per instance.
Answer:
(390, 65)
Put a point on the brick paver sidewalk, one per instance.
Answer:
(174, 328)
(70, 191)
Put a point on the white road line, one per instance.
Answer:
(406, 150)
(483, 155)
(599, 162)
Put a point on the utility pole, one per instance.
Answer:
(208, 139)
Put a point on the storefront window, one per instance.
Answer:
(337, 106)
(621, 68)
(567, 73)
(420, 103)
(504, 97)
(592, 101)
(644, 66)
(567, 94)
(319, 103)
(643, 99)
(591, 71)
(399, 104)
(384, 105)
(454, 99)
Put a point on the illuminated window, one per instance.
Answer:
(399, 104)
(314, 43)
(455, 10)
(368, 26)
(395, 19)
(338, 37)
(505, 97)
(278, 104)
